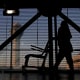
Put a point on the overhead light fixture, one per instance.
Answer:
(10, 12)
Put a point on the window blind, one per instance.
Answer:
(36, 34)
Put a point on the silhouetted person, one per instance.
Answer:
(65, 47)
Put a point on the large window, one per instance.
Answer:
(36, 34)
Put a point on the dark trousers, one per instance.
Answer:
(68, 56)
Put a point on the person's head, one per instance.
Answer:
(64, 23)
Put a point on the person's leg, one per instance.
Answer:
(59, 58)
(70, 61)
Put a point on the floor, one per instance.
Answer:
(38, 76)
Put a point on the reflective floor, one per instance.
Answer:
(38, 76)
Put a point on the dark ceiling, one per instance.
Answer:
(39, 3)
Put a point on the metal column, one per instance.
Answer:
(50, 37)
